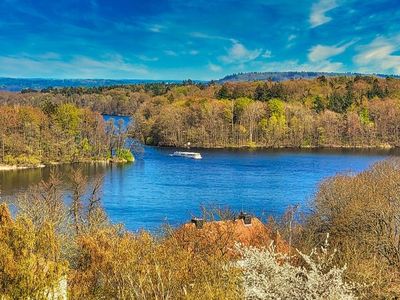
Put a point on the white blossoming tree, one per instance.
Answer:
(270, 275)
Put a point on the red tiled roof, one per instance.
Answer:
(222, 236)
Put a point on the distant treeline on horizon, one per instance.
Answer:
(38, 84)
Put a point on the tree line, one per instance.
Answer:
(358, 111)
(354, 111)
(325, 112)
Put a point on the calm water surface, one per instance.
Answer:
(159, 188)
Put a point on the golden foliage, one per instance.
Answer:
(120, 265)
(362, 215)
(30, 264)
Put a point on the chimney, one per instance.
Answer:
(245, 217)
(199, 222)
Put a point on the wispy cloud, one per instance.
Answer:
(295, 65)
(170, 53)
(155, 27)
(110, 66)
(318, 12)
(195, 38)
(147, 58)
(322, 52)
(214, 68)
(238, 53)
(202, 35)
(379, 56)
(267, 54)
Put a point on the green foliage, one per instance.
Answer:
(48, 107)
(22, 160)
(377, 90)
(68, 117)
(365, 117)
(124, 154)
(223, 93)
(263, 124)
(181, 90)
(276, 107)
(340, 102)
(85, 145)
(240, 106)
(318, 104)
(269, 91)
(9, 160)
(149, 140)
(30, 136)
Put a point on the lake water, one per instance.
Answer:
(158, 188)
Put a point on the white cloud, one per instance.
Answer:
(214, 68)
(379, 56)
(193, 52)
(238, 53)
(321, 52)
(111, 66)
(295, 65)
(201, 35)
(170, 53)
(267, 54)
(155, 28)
(291, 37)
(318, 12)
(147, 58)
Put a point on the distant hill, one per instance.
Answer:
(18, 84)
(37, 84)
(280, 76)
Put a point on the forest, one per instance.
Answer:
(346, 248)
(58, 133)
(353, 111)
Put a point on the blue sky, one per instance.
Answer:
(203, 39)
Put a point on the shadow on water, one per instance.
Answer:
(14, 181)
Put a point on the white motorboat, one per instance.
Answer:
(193, 155)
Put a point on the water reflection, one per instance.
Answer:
(160, 187)
(14, 181)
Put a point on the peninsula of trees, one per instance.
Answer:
(57, 133)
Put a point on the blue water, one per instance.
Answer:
(158, 188)
(125, 120)
(163, 188)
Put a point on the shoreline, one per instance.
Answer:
(16, 167)
(246, 147)
(383, 147)
(4, 167)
